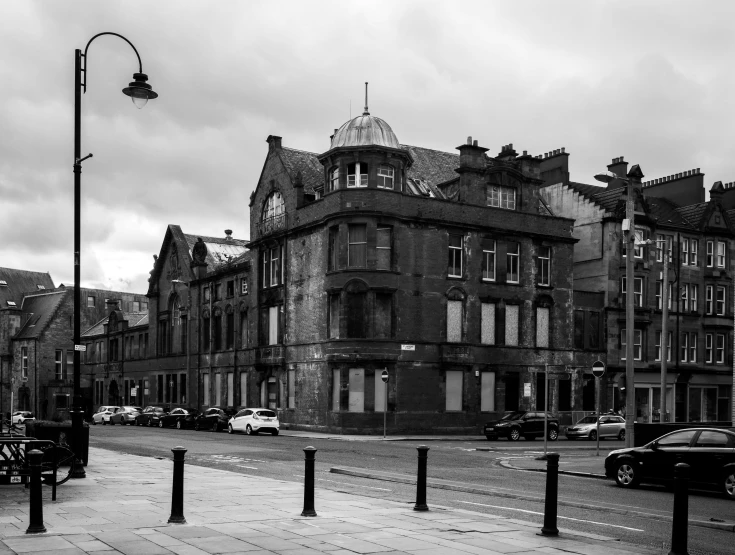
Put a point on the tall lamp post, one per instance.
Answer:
(634, 176)
(140, 92)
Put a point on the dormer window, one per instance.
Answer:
(357, 174)
(273, 217)
(334, 179)
(385, 176)
(501, 197)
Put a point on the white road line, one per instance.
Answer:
(564, 517)
(248, 467)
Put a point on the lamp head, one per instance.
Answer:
(606, 177)
(140, 91)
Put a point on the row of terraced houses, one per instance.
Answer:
(464, 275)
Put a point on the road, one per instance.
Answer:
(459, 475)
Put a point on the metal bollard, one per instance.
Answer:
(421, 480)
(177, 494)
(679, 525)
(552, 492)
(309, 454)
(36, 510)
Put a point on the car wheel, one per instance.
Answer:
(178, 425)
(230, 430)
(249, 430)
(728, 483)
(274, 432)
(515, 434)
(160, 423)
(621, 435)
(593, 435)
(553, 434)
(150, 423)
(626, 474)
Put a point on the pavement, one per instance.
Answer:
(123, 505)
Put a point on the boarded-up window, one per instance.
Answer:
(230, 389)
(380, 387)
(579, 329)
(243, 389)
(487, 392)
(334, 316)
(205, 388)
(383, 248)
(593, 330)
(272, 325)
(355, 313)
(512, 312)
(383, 315)
(454, 321)
(454, 390)
(488, 324)
(357, 390)
(292, 389)
(218, 389)
(542, 327)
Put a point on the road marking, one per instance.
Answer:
(564, 517)
(248, 467)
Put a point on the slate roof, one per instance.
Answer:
(694, 212)
(132, 318)
(20, 282)
(40, 310)
(312, 171)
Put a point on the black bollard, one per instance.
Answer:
(552, 492)
(36, 510)
(421, 480)
(681, 510)
(309, 454)
(177, 494)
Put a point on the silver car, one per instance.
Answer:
(611, 426)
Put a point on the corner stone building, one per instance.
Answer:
(446, 270)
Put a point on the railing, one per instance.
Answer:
(270, 225)
(272, 354)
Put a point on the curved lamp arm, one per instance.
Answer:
(84, 56)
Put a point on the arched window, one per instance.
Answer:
(357, 174)
(386, 176)
(175, 337)
(334, 179)
(217, 331)
(273, 206)
(206, 326)
(229, 327)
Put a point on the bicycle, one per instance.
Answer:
(57, 464)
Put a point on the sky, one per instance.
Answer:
(651, 81)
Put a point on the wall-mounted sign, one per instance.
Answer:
(408, 347)
(526, 389)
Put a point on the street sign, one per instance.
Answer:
(408, 347)
(132, 391)
(384, 376)
(598, 368)
(82, 348)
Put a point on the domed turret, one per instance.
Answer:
(365, 130)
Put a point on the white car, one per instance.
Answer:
(20, 416)
(102, 416)
(611, 426)
(252, 421)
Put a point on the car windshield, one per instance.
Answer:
(267, 413)
(513, 416)
(588, 420)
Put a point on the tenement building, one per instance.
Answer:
(672, 220)
(446, 271)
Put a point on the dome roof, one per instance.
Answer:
(365, 130)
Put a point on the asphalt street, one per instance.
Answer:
(459, 476)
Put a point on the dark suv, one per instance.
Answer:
(522, 423)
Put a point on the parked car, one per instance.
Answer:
(214, 418)
(709, 452)
(125, 415)
(522, 423)
(20, 416)
(150, 416)
(178, 418)
(252, 421)
(103, 414)
(611, 425)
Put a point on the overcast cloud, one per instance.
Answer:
(650, 81)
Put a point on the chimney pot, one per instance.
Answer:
(469, 140)
(525, 153)
(563, 148)
(474, 143)
(697, 170)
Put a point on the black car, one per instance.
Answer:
(522, 423)
(214, 418)
(150, 416)
(709, 452)
(178, 418)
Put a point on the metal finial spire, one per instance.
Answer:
(366, 113)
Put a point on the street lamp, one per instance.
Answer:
(140, 92)
(634, 175)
